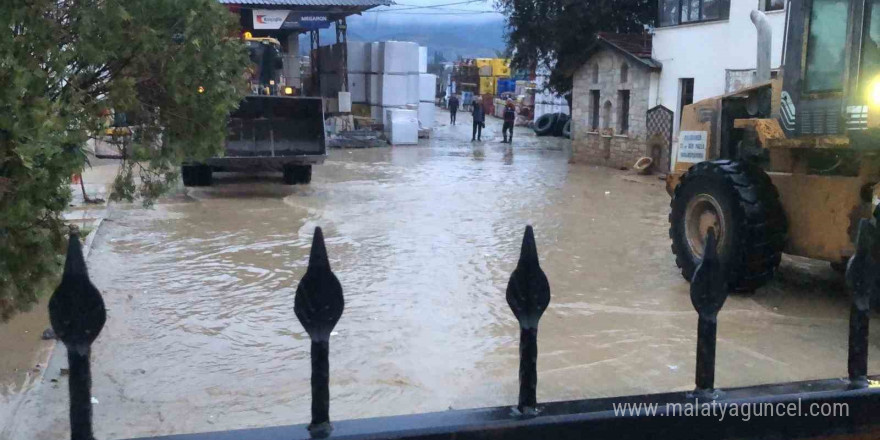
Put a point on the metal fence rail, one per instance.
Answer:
(830, 408)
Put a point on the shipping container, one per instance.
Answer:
(487, 86)
(505, 85)
(500, 67)
(482, 62)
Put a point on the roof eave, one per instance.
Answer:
(649, 62)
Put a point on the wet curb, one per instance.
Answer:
(50, 357)
(53, 359)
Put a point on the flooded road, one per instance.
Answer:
(201, 334)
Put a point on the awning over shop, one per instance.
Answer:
(297, 15)
(367, 3)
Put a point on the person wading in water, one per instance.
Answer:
(453, 108)
(509, 119)
(479, 120)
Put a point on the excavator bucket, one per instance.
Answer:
(278, 127)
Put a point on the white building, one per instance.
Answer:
(709, 49)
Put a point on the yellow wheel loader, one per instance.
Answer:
(790, 164)
(271, 130)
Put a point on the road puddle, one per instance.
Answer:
(201, 333)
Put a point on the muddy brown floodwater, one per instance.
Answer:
(201, 334)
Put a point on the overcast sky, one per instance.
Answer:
(459, 11)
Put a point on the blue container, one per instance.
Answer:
(506, 85)
(467, 98)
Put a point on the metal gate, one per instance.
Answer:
(659, 125)
(780, 411)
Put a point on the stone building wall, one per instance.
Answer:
(607, 145)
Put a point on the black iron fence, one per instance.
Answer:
(830, 408)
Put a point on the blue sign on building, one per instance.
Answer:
(307, 20)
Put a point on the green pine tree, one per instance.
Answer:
(64, 64)
(558, 33)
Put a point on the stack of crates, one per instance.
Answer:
(500, 68)
(487, 85)
(494, 76)
(487, 79)
(501, 73)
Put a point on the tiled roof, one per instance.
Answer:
(370, 3)
(634, 45)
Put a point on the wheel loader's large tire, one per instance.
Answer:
(297, 174)
(741, 203)
(196, 175)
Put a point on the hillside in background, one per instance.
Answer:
(470, 39)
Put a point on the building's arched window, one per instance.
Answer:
(606, 115)
(624, 73)
(596, 73)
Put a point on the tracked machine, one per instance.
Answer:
(790, 164)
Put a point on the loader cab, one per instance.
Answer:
(265, 56)
(831, 67)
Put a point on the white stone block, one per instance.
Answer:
(400, 57)
(344, 102)
(394, 90)
(377, 57)
(374, 89)
(412, 89)
(423, 59)
(404, 127)
(357, 57)
(357, 85)
(427, 87)
(427, 114)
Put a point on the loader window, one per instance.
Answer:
(826, 46)
(870, 68)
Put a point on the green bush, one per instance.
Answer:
(64, 66)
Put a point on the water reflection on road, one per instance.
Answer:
(202, 333)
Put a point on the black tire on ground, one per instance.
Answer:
(566, 131)
(544, 125)
(840, 266)
(196, 175)
(559, 127)
(297, 174)
(740, 201)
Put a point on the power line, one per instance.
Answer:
(411, 7)
(438, 6)
(435, 13)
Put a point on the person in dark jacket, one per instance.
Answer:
(509, 119)
(479, 120)
(453, 108)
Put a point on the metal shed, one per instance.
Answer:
(286, 20)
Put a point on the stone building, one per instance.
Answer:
(613, 92)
